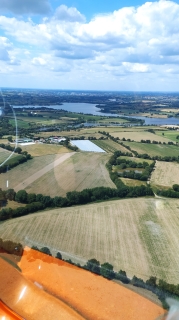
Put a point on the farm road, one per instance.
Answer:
(41, 172)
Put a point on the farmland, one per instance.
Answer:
(165, 174)
(109, 145)
(138, 135)
(38, 149)
(25, 170)
(154, 149)
(82, 170)
(133, 234)
(4, 154)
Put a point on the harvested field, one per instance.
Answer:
(81, 171)
(110, 146)
(154, 149)
(43, 149)
(138, 136)
(25, 170)
(92, 296)
(135, 235)
(165, 174)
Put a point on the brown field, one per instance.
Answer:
(81, 171)
(139, 236)
(138, 136)
(43, 149)
(165, 174)
(27, 169)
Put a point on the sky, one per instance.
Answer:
(90, 45)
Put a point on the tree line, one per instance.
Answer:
(13, 162)
(132, 174)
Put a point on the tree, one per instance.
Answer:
(21, 196)
(10, 194)
(59, 256)
(46, 251)
(18, 150)
(176, 187)
(107, 270)
(93, 265)
(10, 139)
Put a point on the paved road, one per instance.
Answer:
(41, 172)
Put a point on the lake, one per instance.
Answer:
(88, 108)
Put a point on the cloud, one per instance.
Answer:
(128, 41)
(21, 7)
(4, 46)
(68, 14)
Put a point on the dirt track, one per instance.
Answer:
(41, 172)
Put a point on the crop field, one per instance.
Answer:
(92, 132)
(154, 149)
(165, 174)
(135, 235)
(81, 171)
(138, 136)
(25, 170)
(110, 146)
(169, 134)
(43, 149)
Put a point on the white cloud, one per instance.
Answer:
(68, 14)
(25, 6)
(126, 42)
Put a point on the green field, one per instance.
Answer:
(135, 235)
(4, 154)
(154, 149)
(169, 134)
(109, 145)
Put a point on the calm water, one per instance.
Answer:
(88, 108)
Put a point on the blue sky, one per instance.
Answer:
(101, 45)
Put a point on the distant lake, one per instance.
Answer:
(88, 108)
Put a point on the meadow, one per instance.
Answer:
(165, 174)
(154, 149)
(132, 234)
(4, 154)
(139, 135)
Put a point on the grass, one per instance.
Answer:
(135, 235)
(4, 154)
(81, 171)
(137, 160)
(165, 174)
(139, 135)
(169, 134)
(133, 182)
(38, 149)
(109, 145)
(154, 149)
